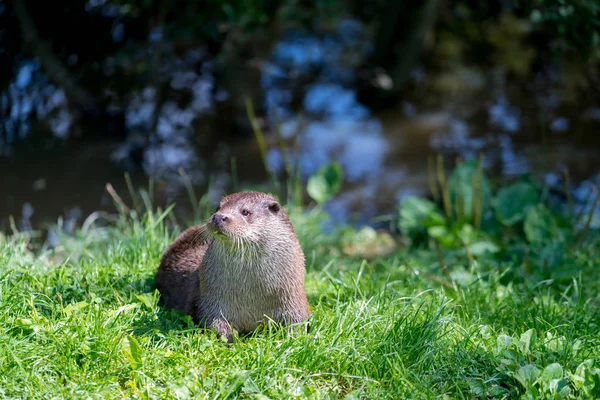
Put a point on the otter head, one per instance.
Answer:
(248, 218)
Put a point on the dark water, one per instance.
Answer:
(306, 85)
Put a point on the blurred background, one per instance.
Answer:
(161, 91)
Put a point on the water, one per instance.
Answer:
(306, 85)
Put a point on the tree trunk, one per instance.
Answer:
(400, 37)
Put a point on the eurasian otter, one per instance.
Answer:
(243, 266)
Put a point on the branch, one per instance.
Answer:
(51, 64)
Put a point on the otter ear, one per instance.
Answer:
(274, 207)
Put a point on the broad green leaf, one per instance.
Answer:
(527, 340)
(497, 391)
(563, 389)
(325, 183)
(512, 202)
(477, 386)
(483, 247)
(462, 277)
(527, 374)
(74, 307)
(551, 372)
(540, 225)
(417, 215)
(554, 343)
(23, 322)
(560, 387)
(587, 378)
(584, 367)
(133, 352)
(148, 299)
(467, 234)
(27, 325)
(466, 185)
(438, 232)
(503, 341)
(124, 309)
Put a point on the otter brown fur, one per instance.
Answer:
(243, 266)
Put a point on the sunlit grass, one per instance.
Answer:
(83, 320)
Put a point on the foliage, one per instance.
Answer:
(540, 226)
(541, 241)
(563, 27)
(570, 24)
(325, 183)
(469, 189)
(417, 215)
(552, 381)
(513, 202)
(223, 16)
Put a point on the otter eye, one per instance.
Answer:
(245, 212)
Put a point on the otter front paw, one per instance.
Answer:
(223, 329)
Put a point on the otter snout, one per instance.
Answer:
(219, 219)
(218, 224)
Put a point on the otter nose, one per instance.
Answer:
(218, 219)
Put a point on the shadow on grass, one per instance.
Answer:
(164, 320)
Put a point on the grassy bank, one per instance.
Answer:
(82, 320)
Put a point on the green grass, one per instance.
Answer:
(82, 320)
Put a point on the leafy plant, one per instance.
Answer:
(417, 215)
(132, 352)
(469, 190)
(569, 24)
(587, 378)
(522, 359)
(541, 241)
(511, 203)
(540, 226)
(325, 183)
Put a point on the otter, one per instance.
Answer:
(243, 266)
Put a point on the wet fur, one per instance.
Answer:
(252, 271)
